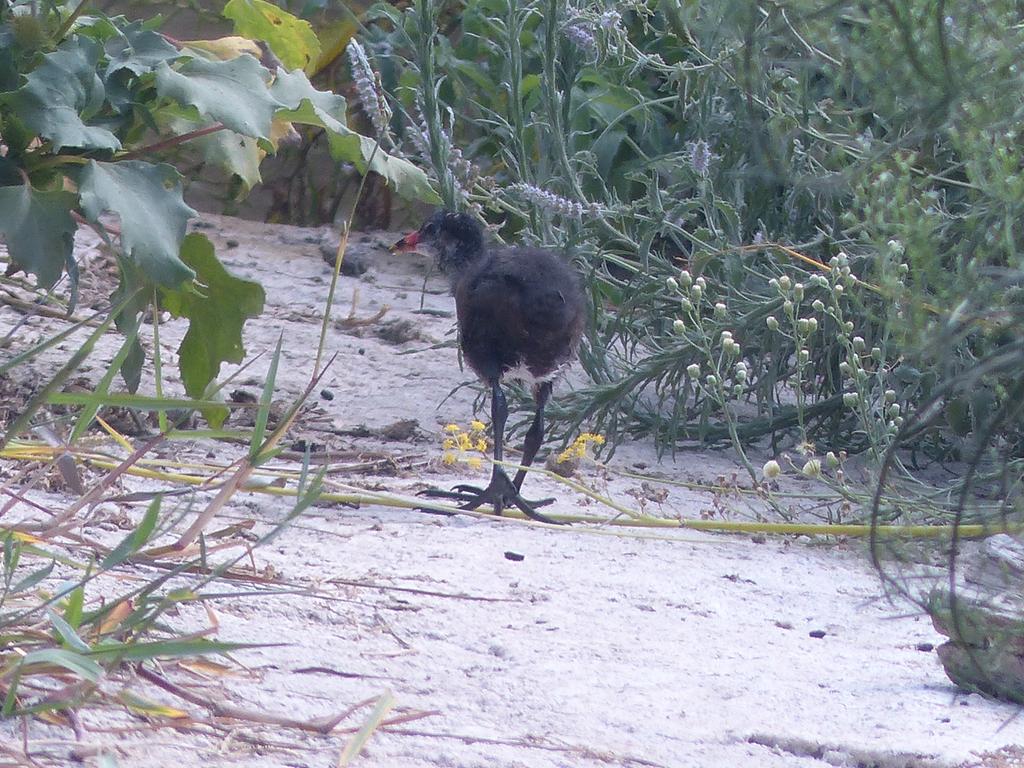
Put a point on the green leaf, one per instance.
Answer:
(138, 50)
(33, 578)
(238, 155)
(69, 660)
(216, 317)
(67, 633)
(61, 94)
(166, 649)
(266, 400)
(38, 229)
(291, 39)
(153, 214)
(135, 540)
(233, 92)
(306, 105)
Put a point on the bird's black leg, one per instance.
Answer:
(500, 492)
(534, 438)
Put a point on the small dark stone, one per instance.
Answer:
(817, 633)
(326, 394)
(352, 265)
(231, 243)
(925, 647)
(402, 430)
(515, 557)
(362, 351)
(301, 446)
(241, 396)
(398, 331)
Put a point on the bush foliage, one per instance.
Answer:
(89, 104)
(776, 205)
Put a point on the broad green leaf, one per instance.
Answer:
(238, 155)
(291, 39)
(306, 105)
(138, 50)
(153, 214)
(38, 229)
(216, 317)
(232, 92)
(61, 94)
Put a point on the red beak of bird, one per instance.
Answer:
(407, 243)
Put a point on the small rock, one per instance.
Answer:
(326, 394)
(817, 633)
(401, 431)
(925, 647)
(352, 265)
(399, 331)
(515, 557)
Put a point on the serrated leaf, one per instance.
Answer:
(38, 229)
(137, 49)
(238, 155)
(61, 94)
(233, 92)
(216, 317)
(305, 104)
(148, 199)
(291, 39)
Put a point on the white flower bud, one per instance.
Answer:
(771, 470)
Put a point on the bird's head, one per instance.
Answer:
(456, 240)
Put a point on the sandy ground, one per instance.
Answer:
(507, 644)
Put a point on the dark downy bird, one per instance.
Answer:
(521, 313)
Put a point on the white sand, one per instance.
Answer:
(597, 648)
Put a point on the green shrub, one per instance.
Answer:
(822, 181)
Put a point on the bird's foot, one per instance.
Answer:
(500, 493)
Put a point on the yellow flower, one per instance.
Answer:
(448, 444)
(481, 445)
(475, 462)
(476, 426)
(449, 459)
(452, 428)
(578, 448)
